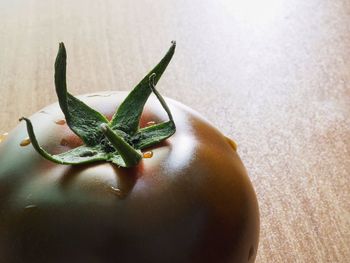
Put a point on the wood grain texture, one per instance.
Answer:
(274, 75)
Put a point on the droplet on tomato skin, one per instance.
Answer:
(251, 253)
(25, 142)
(3, 136)
(101, 95)
(147, 154)
(150, 123)
(232, 143)
(117, 192)
(60, 122)
(30, 207)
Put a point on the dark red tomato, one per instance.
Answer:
(188, 200)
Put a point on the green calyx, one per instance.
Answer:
(118, 141)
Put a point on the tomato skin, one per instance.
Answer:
(191, 202)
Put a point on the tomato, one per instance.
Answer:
(188, 200)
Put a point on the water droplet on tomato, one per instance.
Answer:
(148, 154)
(150, 123)
(25, 142)
(117, 191)
(232, 143)
(100, 95)
(60, 122)
(30, 207)
(251, 253)
(3, 136)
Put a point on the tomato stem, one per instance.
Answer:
(130, 156)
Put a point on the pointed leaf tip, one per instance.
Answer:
(62, 48)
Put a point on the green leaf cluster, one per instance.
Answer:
(118, 141)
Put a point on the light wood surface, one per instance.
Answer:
(273, 75)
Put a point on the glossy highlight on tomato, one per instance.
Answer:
(189, 200)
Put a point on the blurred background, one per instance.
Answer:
(271, 74)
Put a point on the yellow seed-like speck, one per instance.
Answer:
(60, 122)
(3, 136)
(232, 143)
(25, 142)
(148, 154)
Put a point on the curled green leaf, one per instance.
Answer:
(75, 156)
(129, 112)
(154, 134)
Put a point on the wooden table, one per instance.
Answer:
(274, 75)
